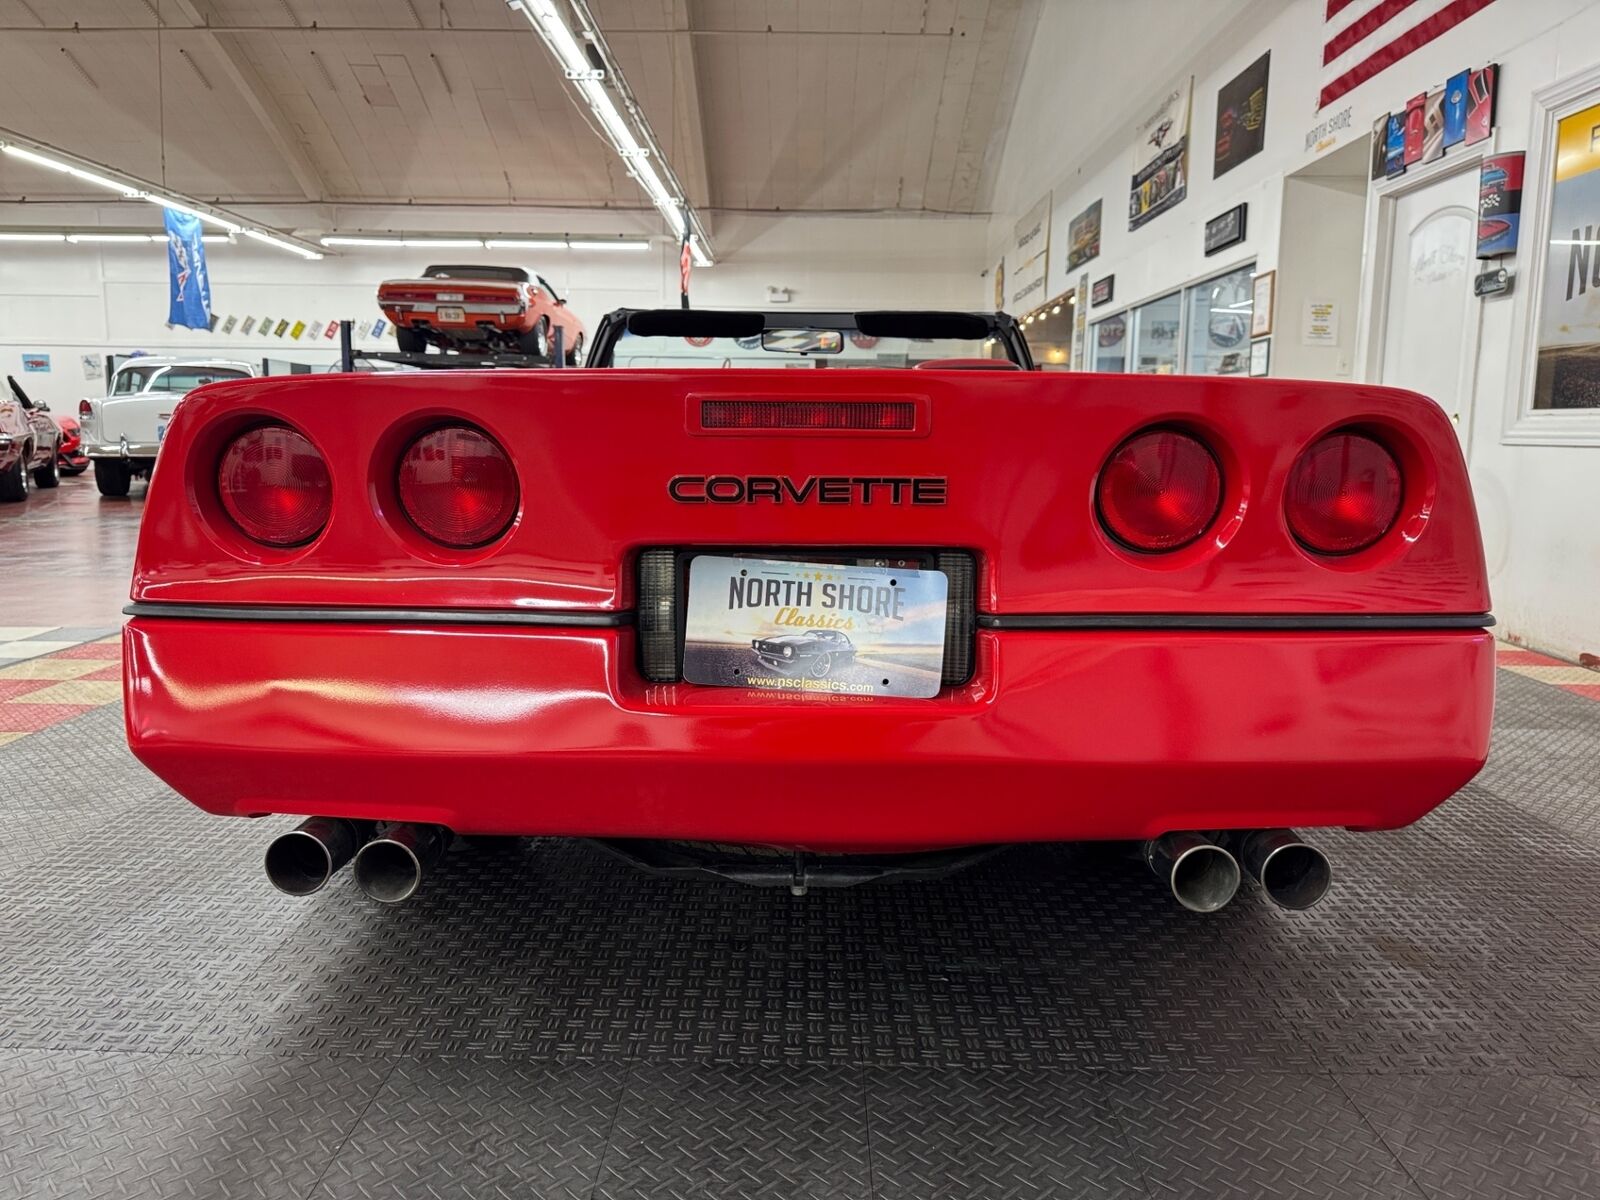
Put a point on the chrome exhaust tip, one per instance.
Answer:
(1293, 873)
(1202, 875)
(302, 861)
(390, 867)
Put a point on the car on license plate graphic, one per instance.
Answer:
(815, 627)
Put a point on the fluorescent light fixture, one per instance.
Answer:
(114, 237)
(588, 244)
(55, 164)
(280, 243)
(208, 218)
(448, 242)
(33, 237)
(629, 133)
(698, 252)
(216, 237)
(525, 244)
(134, 189)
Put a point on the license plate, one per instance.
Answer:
(815, 627)
(456, 315)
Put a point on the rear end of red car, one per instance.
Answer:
(1169, 606)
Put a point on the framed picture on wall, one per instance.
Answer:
(1260, 357)
(1263, 292)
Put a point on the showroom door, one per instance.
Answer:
(1430, 329)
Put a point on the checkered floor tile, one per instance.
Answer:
(1578, 681)
(50, 675)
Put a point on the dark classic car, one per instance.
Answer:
(815, 651)
(29, 443)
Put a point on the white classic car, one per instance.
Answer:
(122, 433)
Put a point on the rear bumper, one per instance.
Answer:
(1059, 735)
(122, 450)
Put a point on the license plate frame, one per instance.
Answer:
(797, 625)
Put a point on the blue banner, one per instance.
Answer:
(190, 286)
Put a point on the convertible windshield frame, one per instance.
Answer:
(707, 322)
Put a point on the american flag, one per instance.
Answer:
(1364, 37)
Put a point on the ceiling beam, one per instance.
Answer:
(242, 75)
(690, 130)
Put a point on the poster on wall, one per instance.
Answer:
(249, 324)
(1455, 109)
(1242, 117)
(93, 366)
(1416, 109)
(1161, 157)
(1083, 237)
(1568, 370)
(1499, 204)
(35, 362)
(1480, 102)
(1029, 258)
(1433, 126)
(1380, 146)
(1000, 285)
(1394, 146)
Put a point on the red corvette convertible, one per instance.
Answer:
(1180, 612)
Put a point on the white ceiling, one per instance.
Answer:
(791, 105)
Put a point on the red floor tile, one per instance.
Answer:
(1590, 690)
(21, 687)
(91, 650)
(30, 718)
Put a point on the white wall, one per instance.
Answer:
(68, 301)
(1534, 500)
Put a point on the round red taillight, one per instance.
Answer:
(275, 485)
(1344, 494)
(458, 487)
(1159, 490)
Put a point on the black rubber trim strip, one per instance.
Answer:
(1269, 621)
(611, 620)
(399, 616)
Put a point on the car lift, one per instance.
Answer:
(348, 356)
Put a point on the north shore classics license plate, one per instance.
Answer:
(815, 627)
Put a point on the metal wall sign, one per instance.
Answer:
(1225, 230)
(1102, 291)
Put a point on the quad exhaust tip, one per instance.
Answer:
(1203, 876)
(1293, 873)
(390, 867)
(302, 861)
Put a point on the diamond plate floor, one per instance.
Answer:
(544, 1022)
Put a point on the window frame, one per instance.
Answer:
(1522, 424)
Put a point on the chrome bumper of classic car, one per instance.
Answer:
(472, 310)
(122, 448)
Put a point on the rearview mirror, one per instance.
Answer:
(802, 341)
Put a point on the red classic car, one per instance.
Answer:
(28, 443)
(480, 308)
(1181, 612)
(70, 457)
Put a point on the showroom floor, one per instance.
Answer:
(543, 1021)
